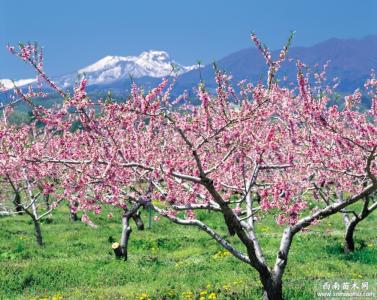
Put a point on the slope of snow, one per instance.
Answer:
(149, 63)
(8, 84)
(105, 63)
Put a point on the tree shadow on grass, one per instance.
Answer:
(362, 253)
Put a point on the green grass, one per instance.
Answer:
(168, 261)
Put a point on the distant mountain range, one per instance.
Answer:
(351, 60)
(113, 69)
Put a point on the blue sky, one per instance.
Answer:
(77, 33)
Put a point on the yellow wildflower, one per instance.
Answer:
(144, 296)
(57, 297)
(212, 296)
(188, 295)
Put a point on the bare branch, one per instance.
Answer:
(214, 168)
(208, 230)
(197, 206)
(48, 212)
(274, 167)
(369, 165)
(331, 209)
(189, 144)
(187, 177)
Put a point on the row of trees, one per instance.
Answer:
(244, 153)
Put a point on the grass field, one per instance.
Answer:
(169, 261)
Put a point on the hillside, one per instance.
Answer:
(350, 60)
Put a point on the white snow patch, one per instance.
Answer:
(8, 84)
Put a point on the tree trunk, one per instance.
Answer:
(349, 243)
(17, 203)
(48, 207)
(117, 250)
(38, 232)
(47, 202)
(139, 222)
(272, 289)
(72, 214)
(120, 249)
(126, 231)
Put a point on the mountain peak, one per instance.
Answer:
(152, 63)
(104, 63)
(153, 55)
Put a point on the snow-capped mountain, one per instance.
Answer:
(155, 64)
(109, 69)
